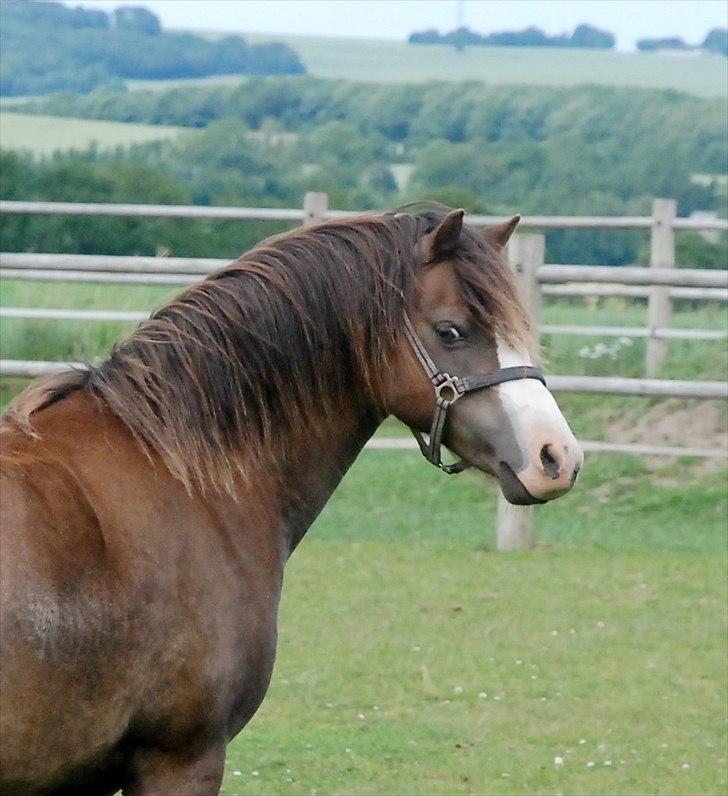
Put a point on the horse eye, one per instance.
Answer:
(448, 334)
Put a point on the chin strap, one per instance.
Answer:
(448, 390)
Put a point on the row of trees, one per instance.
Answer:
(583, 36)
(716, 41)
(48, 47)
(583, 150)
(238, 172)
(644, 132)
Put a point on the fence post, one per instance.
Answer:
(525, 255)
(315, 207)
(662, 255)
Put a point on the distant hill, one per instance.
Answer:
(398, 62)
(46, 47)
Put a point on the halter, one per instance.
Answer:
(449, 389)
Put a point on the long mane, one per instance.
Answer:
(272, 342)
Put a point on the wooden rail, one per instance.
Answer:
(607, 385)
(630, 275)
(299, 215)
(114, 263)
(571, 290)
(153, 278)
(408, 443)
(64, 314)
(545, 274)
(100, 277)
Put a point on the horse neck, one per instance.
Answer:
(316, 464)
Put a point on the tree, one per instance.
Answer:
(138, 19)
(667, 43)
(429, 36)
(589, 36)
(716, 41)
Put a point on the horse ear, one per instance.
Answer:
(444, 238)
(499, 234)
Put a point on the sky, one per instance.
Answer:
(629, 20)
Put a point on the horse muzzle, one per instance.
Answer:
(548, 476)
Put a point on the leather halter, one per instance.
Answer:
(449, 389)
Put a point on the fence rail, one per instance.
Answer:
(64, 314)
(571, 290)
(300, 214)
(608, 385)
(407, 443)
(199, 266)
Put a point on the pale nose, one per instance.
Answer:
(556, 464)
(554, 471)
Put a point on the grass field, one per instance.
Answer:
(398, 62)
(413, 659)
(43, 135)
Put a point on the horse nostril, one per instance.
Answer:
(550, 463)
(575, 473)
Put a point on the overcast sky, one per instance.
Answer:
(629, 20)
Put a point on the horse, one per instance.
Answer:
(150, 502)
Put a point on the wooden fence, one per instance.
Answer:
(660, 284)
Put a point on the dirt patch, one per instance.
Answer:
(675, 423)
(680, 424)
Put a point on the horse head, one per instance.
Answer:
(465, 368)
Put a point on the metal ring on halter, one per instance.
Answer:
(452, 383)
(457, 387)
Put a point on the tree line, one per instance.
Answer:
(583, 36)
(716, 41)
(48, 47)
(584, 150)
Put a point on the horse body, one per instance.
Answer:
(184, 604)
(149, 506)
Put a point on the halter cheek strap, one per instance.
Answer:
(449, 389)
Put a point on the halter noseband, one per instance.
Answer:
(449, 389)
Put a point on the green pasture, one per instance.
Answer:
(414, 659)
(398, 62)
(43, 135)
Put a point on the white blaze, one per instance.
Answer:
(530, 406)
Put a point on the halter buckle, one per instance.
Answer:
(452, 385)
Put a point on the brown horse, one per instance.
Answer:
(149, 504)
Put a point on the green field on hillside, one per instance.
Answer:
(398, 62)
(43, 135)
